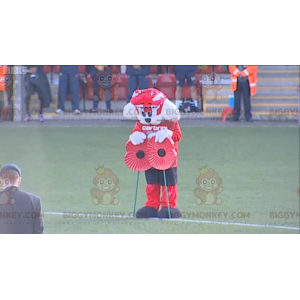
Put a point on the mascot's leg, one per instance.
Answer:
(172, 195)
(172, 180)
(152, 205)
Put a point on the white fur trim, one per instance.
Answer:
(135, 93)
(170, 111)
(129, 112)
(158, 97)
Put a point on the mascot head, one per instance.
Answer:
(151, 106)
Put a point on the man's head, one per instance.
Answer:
(10, 175)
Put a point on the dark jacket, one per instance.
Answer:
(40, 84)
(20, 212)
(145, 70)
(184, 68)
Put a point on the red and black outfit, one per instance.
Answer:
(155, 189)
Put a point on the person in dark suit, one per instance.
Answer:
(36, 81)
(20, 212)
(68, 78)
(137, 78)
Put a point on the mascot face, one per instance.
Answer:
(148, 106)
(151, 106)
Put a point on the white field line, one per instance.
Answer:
(181, 220)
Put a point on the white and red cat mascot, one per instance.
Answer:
(156, 117)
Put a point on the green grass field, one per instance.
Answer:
(259, 167)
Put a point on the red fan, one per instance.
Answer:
(136, 157)
(161, 155)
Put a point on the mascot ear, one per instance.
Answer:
(170, 111)
(129, 112)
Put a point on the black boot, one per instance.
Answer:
(146, 212)
(164, 213)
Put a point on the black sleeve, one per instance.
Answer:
(38, 225)
(40, 69)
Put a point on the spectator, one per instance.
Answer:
(188, 73)
(137, 79)
(10, 86)
(103, 86)
(36, 81)
(243, 83)
(22, 211)
(68, 78)
(3, 71)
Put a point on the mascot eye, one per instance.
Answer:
(143, 114)
(101, 181)
(204, 181)
(109, 78)
(110, 181)
(6, 78)
(150, 114)
(101, 78)
(213, 181)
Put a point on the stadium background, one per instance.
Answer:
(258, 162)
(276, 98)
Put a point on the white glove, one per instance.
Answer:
(137, 137)
(161, 135)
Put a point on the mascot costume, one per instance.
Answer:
(157, 123)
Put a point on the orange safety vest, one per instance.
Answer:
(3, 72)
(250, 71)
